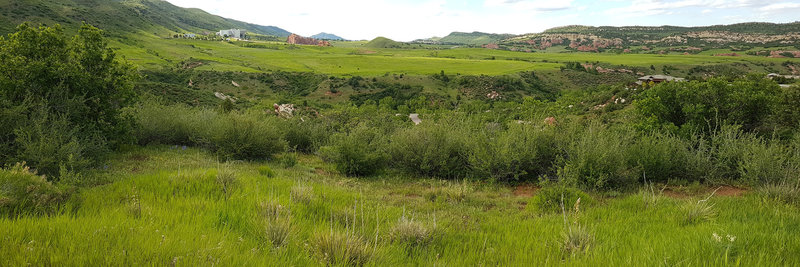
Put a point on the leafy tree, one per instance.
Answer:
(61, 95)
(706, 106)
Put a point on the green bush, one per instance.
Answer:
(22, 191)
(746, 158)
(596, 158)
(664, 157)
(523, 152)
(435, 150)
(243, 136)
(61, 98)
(358, 153)
(307, 136)
(231, 135)
(550, 199)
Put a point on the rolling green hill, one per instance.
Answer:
(473, 38)
(120, 17)
(327, 36)
(383, 42)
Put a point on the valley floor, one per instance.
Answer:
(180, 206)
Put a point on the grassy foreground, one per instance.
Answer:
(169, 205)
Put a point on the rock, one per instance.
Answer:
(550, 121)
(235, 84)
(415, 118)
(297, 39)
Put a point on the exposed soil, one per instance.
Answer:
(730, 191)
(525, 190)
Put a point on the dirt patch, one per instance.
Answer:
(730, 191)
(329, 93)
(193, 65)
(676, 194)
(525, 190)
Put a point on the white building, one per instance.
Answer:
(233, 33)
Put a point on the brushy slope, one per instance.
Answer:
(121, 17)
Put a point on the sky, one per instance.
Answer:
(416, 19)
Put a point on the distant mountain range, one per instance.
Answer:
(327, 36)
(117, 16)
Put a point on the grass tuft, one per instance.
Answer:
(341, 249)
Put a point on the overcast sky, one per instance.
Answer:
(414, 19)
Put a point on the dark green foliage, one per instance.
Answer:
(62, 98)
(596, 157)
(436, 150)
(306, 136)
(706, 106)
(231, 135)
(400, 93)
(551, 199)
(22, 192)
(663, 158)
(523, 152)
(358, 152)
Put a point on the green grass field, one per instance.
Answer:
(169, 206)
(347, 59)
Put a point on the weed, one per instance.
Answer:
(410, 233)
(338, 248)
(698, 212)
(227, 181)
(549, 199)
(302, 193)
(786, 193)
(278, 232)
(265, 170)
(288, 160)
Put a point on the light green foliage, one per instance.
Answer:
(183, 217)
(558, 198)
(265, 170)
(23, 192)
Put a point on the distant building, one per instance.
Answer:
(658, 79)
(233, 33)
(189, 35)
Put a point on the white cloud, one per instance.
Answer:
(535, 5)
(780, 7)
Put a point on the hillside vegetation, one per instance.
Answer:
(139, 146)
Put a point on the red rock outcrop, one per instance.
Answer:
(297, 39)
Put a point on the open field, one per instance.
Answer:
(164, 205)
(347, 61)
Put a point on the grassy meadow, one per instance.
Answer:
(521, 159)
(166, 205)
(351, 58)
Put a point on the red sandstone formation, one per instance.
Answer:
(297, 39)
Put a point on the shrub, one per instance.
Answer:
(240, 136)
(358, 153)
(746, 158)
(788, 193)
(663, 158)
(596, 158)
(341, 249)
(288, 160)
(76, 85)
(550, 199)
(434, 150)
(523, 152)
(22, 191)
(306, 137)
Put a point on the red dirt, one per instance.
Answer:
(730, 191)
(525, 190)
(675, 194)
